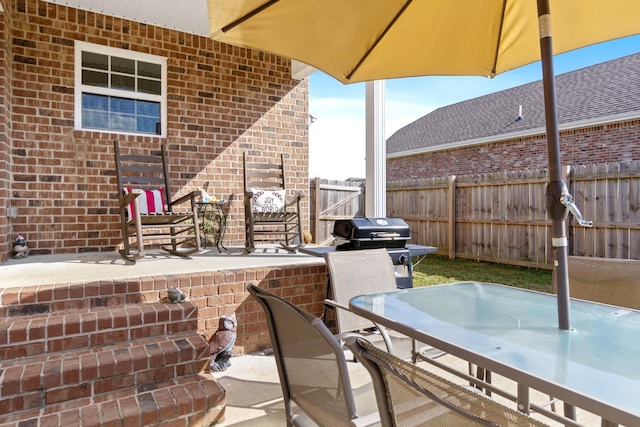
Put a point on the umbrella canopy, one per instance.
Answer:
(364, 40)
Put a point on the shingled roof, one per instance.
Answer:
(591, 95)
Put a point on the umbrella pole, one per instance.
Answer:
(556, 187)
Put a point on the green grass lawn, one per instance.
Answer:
(436, 269)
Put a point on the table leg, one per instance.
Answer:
(222, 228)
(523, 398)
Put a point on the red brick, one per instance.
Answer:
(135, 316)
(104, 320)
(88, 367)
(55, 327)
(88, 322)
(198, 398)
(52, 374)
(31, 377)
(148, 408)
(129, 411)
(71, 370)
(120, 319)
(170, 351)
(70, 418)
(166, 404)
(51, 420)
(18, 331)
(72, 324)
(90, 416)
(106, 364)
(124, 361)
(140, 358)
(66, 343)
(12, 380)
(110, 414)
(37, 329)
(182, 398)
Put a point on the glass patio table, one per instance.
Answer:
(514, 332)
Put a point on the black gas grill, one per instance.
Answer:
(373, 233)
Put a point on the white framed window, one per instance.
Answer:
(120, 91)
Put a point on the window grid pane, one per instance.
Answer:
(114, 73)
(113, 113)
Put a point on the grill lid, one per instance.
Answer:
(361, 233)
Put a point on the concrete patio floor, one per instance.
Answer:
(84, 267)
(254, 396)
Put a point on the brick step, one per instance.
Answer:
(43, 299)
(36, 382)
(63, 331)
(192, 401)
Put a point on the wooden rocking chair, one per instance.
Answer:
(269, 216)
(147, 211)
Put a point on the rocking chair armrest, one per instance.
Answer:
(128, 198)
(299, 195)
(187, 197)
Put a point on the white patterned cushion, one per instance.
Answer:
(267, 200)
(151, 201)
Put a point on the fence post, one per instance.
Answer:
(452, 217)
(566, 175)
(316, 219)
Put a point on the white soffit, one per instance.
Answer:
(189, 16)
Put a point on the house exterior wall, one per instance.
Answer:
(222, 101)
(607, 143)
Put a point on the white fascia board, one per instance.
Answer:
(300, 70)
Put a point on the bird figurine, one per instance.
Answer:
(222, 342)
(176, 295)
(20, 250)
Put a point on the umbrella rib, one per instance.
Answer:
(379, 39)
(495, 56)
(248, 15)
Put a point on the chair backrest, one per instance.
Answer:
(408, 395)
(354, 273)
(144, 172)
(605, 280)
(311, 363)
(268, 175)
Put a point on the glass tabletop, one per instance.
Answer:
(598, 358)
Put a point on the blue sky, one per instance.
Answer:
(337, 138)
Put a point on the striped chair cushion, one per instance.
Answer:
(151, 201)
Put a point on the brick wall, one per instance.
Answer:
(616, 142)
(222, 100)
(5, 148)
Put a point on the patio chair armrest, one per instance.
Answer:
(381, 329)
(335, 304)
(186, 198)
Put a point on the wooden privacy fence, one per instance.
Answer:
(331, 200)
(502, 217)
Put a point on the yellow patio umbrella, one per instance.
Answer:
(363, 40)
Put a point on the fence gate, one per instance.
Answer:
(331, 200)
